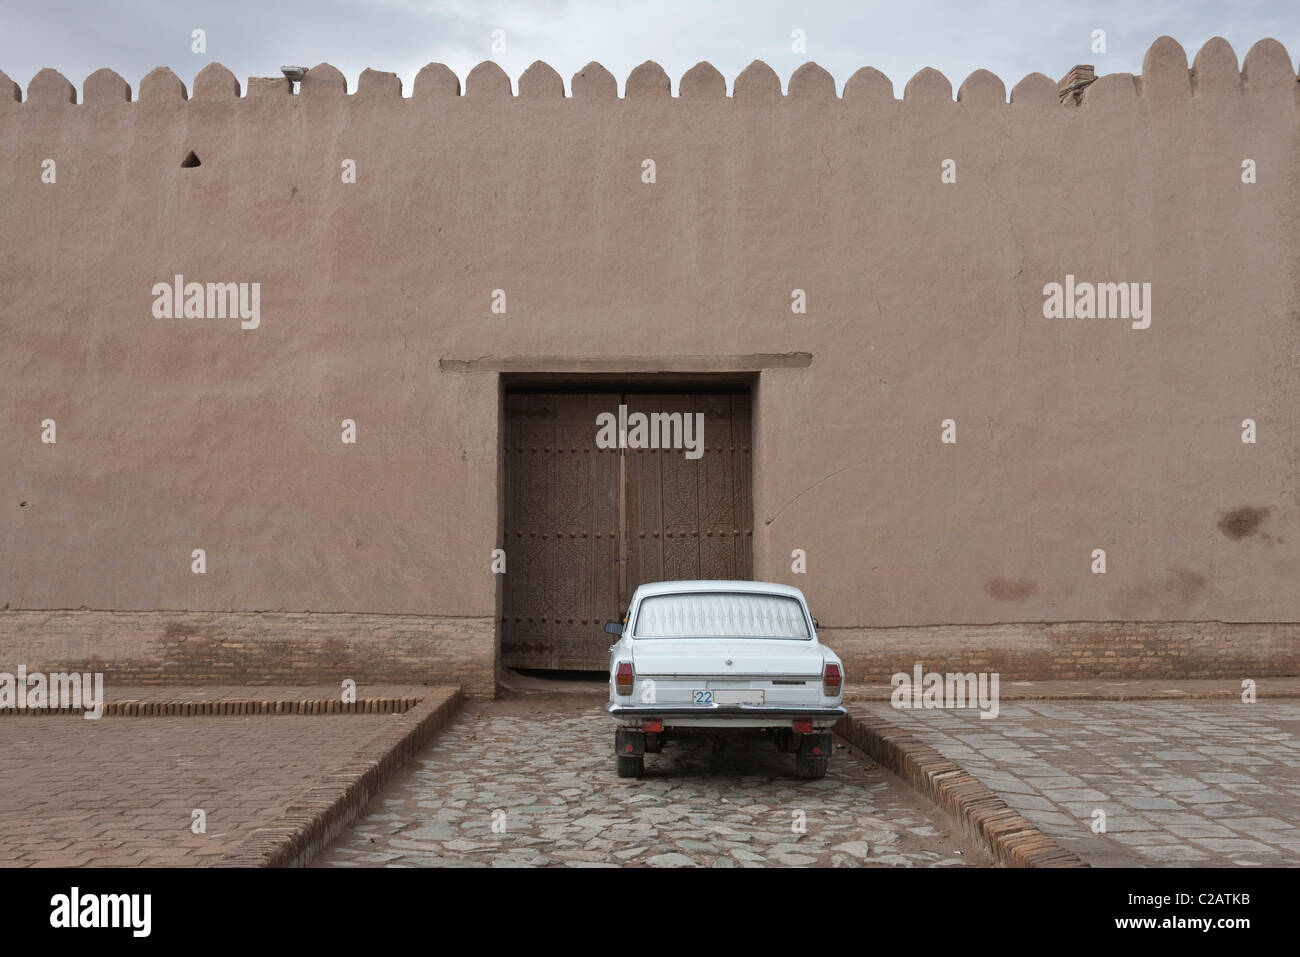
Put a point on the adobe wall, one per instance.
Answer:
(924, 303)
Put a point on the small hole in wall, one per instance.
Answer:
(190, 161)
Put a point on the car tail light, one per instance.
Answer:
(624, 677)
(802, 725)
(832, 680)
(652, 724)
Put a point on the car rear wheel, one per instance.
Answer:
(811, 768)
(630, 766)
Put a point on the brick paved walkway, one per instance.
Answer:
(1207, 783)
(547, 764)
(120, 791)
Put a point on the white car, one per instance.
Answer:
(718, 657)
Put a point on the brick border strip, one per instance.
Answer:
(1011, 839)
(1230, 694)
(175, 709)
(310, 823)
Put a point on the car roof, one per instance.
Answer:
(715, 585)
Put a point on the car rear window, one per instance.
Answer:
(720, 615)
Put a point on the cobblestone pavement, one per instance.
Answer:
(544, 768)
(120, 791)
(1199, 783)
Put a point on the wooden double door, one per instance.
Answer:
(585, 525)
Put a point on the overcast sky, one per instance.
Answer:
(255, 37)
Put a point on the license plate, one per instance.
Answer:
(729, 696)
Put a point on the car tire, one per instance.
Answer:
(810, 769)
(630, 766)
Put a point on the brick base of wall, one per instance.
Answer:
(157, 647)
(1082, 650)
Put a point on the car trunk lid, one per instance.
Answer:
(726, 658)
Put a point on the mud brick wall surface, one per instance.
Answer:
(925, 302)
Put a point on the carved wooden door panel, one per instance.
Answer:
(691, 518)
(584, 526)
(561, 533)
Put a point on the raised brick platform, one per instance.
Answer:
(1007, 835)
(121, 791)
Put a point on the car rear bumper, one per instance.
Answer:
(723, 715)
